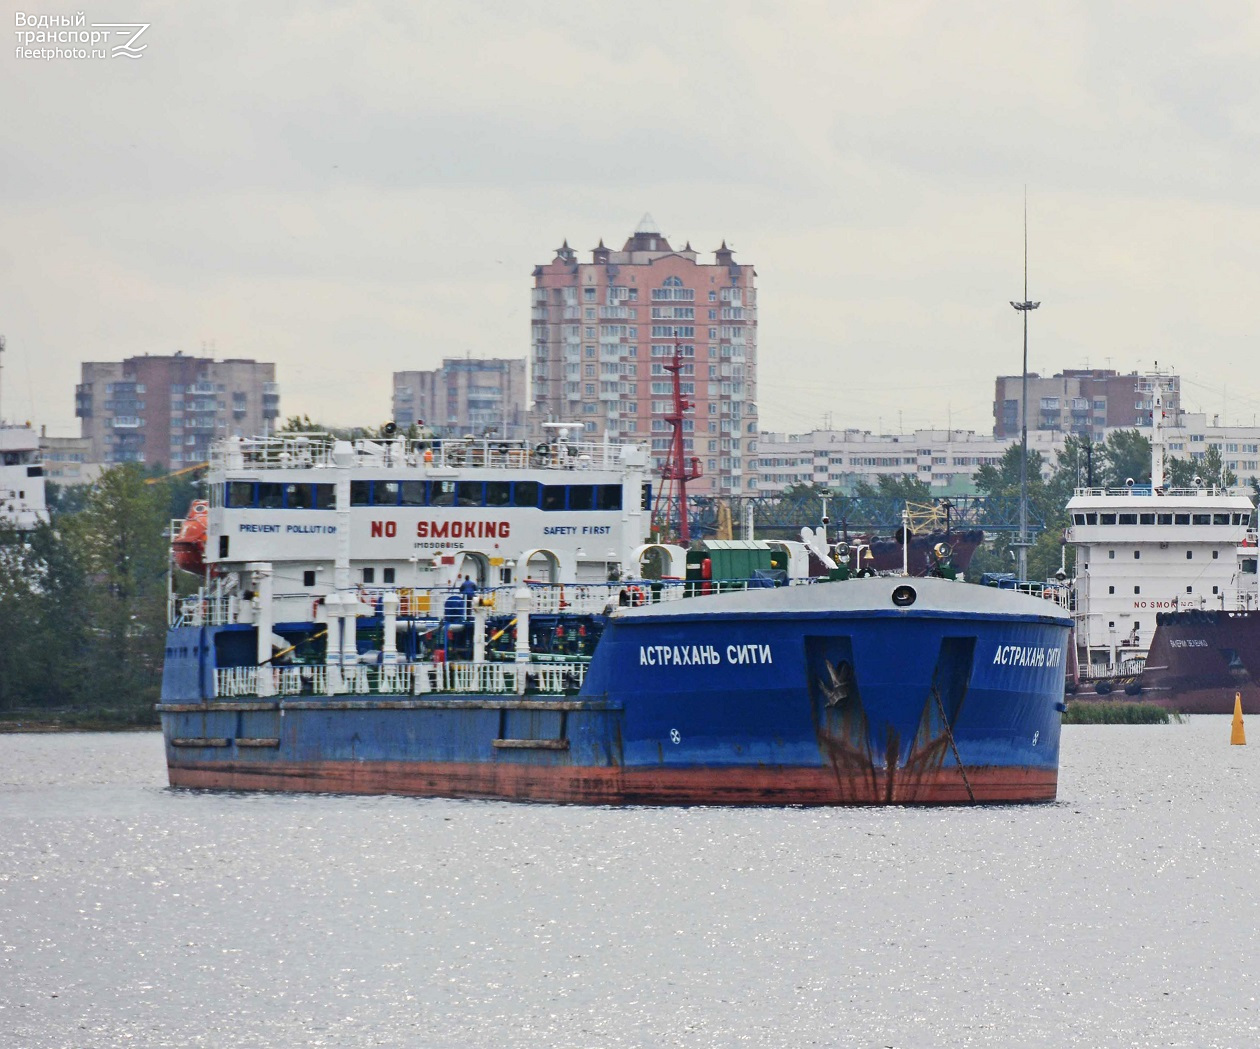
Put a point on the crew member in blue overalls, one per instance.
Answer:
(469, 589)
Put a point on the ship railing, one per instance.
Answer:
(1120, 669)
(298, 451)
(1145, 490)
(399, 679)
(213, 609)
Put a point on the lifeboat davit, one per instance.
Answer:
(189, 545)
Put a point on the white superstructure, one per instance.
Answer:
(22, 504)
(1143, 549)
(331, 516)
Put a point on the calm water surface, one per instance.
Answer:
(1128, 914)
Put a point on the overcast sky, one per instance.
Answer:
(353, 189)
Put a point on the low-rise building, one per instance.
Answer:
(945, 459)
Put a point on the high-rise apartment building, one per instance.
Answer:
(1082, 401)
(465, 395)
(602, 332)
(170, 409)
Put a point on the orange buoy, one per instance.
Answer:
(1237, 737)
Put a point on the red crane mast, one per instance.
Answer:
(677, 471)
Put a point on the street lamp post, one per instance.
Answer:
(1024, 307)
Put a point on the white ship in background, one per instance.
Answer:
(1147, 556)
(22, 504)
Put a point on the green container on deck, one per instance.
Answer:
(730, 559)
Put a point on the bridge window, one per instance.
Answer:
(1165, 518)
(1106, 518)
(553, 497)
(325, 496)
(270, 496)
(1200, 519)
(1146, 518)
(239, 493)
(384, 493)
(470, 493)
(360, 493)
(498, 493)
(442, 493)
(1181, 518)
(525, 493)
(1220, 519)
(411, 493)
(608, 497)
(297, 496)
(1128, 519)
(581, 497)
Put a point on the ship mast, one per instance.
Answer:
(675, 470)
(1157, 437)
(1024, 308)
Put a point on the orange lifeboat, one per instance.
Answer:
(189, 545)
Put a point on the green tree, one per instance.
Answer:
(879, 506)
(999, 483)
(300, 424)
(1213, 470)
(119, 539)
(64, 498)
(43, 592)
(1180, 473)
(1126, 454)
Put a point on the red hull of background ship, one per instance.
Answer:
(1200, 660)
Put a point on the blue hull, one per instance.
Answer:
(751, 699)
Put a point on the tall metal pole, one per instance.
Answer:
(1024, 307)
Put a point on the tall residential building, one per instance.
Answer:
(1082, 401)
(602, 332)
(465, 395)
(170, 409)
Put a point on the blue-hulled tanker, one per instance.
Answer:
(309, 658)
